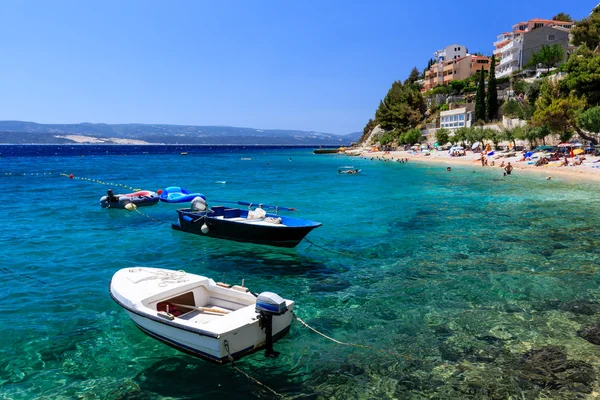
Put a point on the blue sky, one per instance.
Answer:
(308, 65)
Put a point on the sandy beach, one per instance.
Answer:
(588, 170)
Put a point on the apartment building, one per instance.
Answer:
(444, 72)
(451, 52)
(514, 49)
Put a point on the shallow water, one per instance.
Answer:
(468, 283)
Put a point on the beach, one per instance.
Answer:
(588, 170)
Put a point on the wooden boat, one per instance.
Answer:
(251, 226)
(193, 314)
(140, 199)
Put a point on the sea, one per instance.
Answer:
(433, 284)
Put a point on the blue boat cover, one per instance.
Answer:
(176, 194)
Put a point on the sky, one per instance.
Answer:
(307, 65)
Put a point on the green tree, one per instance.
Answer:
(461, 135)
(402, 108)
(412, 77)
(583, 75)
(561, 16)
(457, 86)
(412, 136)
(480, 99)
(587, 31)
(549, 55)
(495, 136)
(590, 120)
(442, 136)
(512, 134)
(561, 116)
(491, 99)
(511, 108)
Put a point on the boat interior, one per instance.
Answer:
(201, 305)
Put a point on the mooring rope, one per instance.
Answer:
(343, 253)
(145, 215)
(362, 346)
(226, 343)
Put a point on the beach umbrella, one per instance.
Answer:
(475, 145)
(578, 151)
(564, 144)
(577, 144)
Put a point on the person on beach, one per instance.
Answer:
(502, 164)
(508, 169)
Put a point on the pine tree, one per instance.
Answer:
(480, 99)
(413, 77)
(491, 100)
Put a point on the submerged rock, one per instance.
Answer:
(590, 333)
(549, 368)
(582, 307)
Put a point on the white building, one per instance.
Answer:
(452, 52)
(454, 119)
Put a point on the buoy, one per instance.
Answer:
(130, 207)
(71, 176)
(204, 228)
(548, 178)
(159, 191)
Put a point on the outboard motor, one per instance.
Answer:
(268, 305)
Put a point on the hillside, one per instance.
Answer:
(19, 132)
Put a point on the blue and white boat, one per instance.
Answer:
(245, 225)
(191, 313)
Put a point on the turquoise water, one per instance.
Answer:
(470, 284)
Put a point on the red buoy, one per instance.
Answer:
(159, 191)
(71, 176)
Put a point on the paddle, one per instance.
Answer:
(245, 203)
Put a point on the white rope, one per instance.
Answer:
(165, 277)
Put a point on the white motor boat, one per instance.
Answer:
(193, 314)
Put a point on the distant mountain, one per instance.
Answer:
(19, 132)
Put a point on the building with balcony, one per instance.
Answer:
(515, 49)
(444, 72)
(452, 52)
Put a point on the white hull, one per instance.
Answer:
(143, 292)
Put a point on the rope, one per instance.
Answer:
(145, 215)
(5, 270)
(100, 182)
(362, 346)
(226, 343)
(343, 253)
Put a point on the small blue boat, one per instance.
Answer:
(176, 194)
(250, 226)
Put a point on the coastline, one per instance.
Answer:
(588, 171)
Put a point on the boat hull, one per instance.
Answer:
(213, 349)
(234, 229)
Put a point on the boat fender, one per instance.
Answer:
(204, 229)
(130, 206)
(198, 204)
